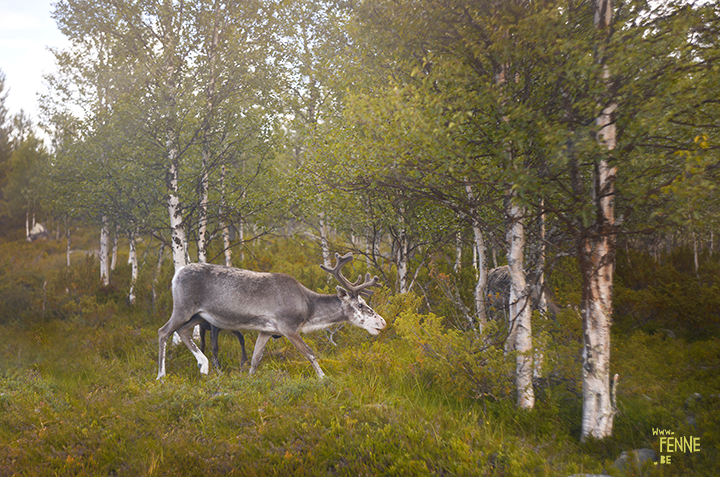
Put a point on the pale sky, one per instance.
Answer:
(26, 30)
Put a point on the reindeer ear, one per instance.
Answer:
(342, 293)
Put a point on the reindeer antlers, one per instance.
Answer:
(354, 288)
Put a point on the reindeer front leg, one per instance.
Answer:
(300, 344)
(262, 340)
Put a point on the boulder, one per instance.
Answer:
(636, 458)
(38, 232)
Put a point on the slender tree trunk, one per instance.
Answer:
(520, 334)
(133, 266)
(712, 240)
(207, 124)
(480, 263)
(402, 261)
(695, 252)
(596, 306)
(241, 237)
(67, 234)
(105, 252)
(113, 261)
(202, 210)
(177, 242)
(241, 222)
(402, 247)
(369, 246)
(597, 263)
(520, 338)
(541, 300)
(223, 225)
(458, 251)
(324, 245)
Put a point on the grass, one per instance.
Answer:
(78, 396)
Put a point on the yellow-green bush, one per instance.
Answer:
(462, 363)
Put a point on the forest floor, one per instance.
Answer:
(78, 396)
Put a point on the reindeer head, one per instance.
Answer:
(350, 294)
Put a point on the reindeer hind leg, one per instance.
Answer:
(175, 322)
(262, 340)
(185, 336)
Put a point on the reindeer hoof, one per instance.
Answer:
(204, 368)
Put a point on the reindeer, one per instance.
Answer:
(270, 303)
(214, 332)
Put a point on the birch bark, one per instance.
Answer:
(210, 99)
(177, 241)
(480, 262)
(597, 262)
(402, 261)
(67, 236)
(324, 245)
(133, 266)
(105, 252)
(520, 330)
(223, 225)
(520, 338)
(203, 206)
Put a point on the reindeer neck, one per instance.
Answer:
(326, 312)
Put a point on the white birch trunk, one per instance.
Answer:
(458, 251)
(712, 240)
(202, 211)
(223, 225)
(542, 302)
(226, 245)
(480, 263)
(209, 112)
(597, 262)
(67, 236)
(241, 237)
(598, 405)
(177, 242)
(402, 262)
(105, 252)
(369, 244)
(324, 246)
(132, 257)
(113, 261)
(520, 337)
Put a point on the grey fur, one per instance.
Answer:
(270, 303)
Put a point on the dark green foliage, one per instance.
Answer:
(667, 296)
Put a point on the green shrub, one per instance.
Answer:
(462, 363)
(667, 295)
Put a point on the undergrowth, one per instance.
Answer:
(78, 394)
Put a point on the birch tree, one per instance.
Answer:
(597, 261)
